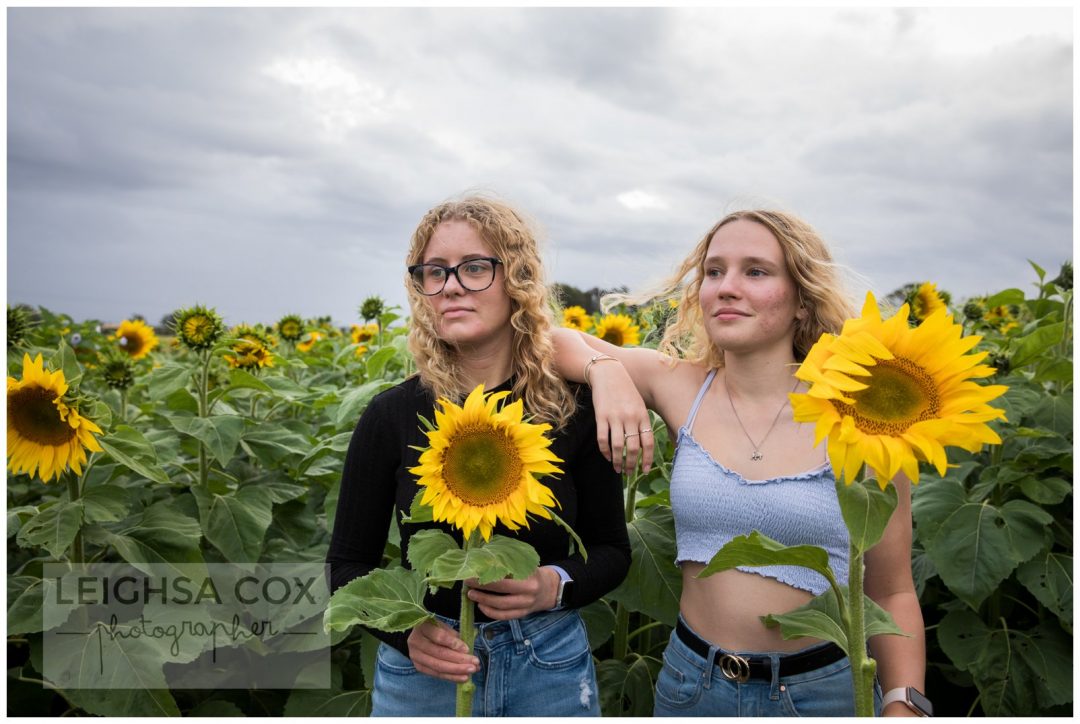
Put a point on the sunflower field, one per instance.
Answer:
(218, 444)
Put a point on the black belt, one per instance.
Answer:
(744, 668)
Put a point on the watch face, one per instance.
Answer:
(920, 702)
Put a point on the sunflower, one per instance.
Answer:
(366, 333)
(118, 371)
(618, 329)
(1001, 318)
(136, 338)
(891, 396)
(309, 341)
(576, 318)
(45, 435)
(18, 326)
(290, 327)
(925, 301)
(481, 465)
(250, 354)
(198, 328)
(372, 308)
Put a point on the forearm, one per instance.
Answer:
(572, 353)
(901, 659)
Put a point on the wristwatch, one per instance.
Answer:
(912, 698)
(566, 585)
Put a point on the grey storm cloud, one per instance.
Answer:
(267, 161)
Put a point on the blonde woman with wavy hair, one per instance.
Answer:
(480, 315)
(754, 295)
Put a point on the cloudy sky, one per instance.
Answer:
(267, 161)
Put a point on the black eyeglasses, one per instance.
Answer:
(474, 275)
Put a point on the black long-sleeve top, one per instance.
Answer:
(376, 479)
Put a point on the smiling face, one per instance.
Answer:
(748, 299)
(462, 317)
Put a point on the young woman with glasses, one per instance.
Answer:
(481, 314)
(754, 295)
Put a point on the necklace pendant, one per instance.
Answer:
(757, 456)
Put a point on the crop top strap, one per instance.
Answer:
(697, 400)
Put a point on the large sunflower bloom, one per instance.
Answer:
(891, 396)
(481, 465)
(249, 354)
(364, 334)
(926, 300)
(576, 317)
(136, 338)
(45, 435)
(310, 341)
(618, 329)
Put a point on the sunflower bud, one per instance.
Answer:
(1064, 279)
(118, 371)
(372, 308)
(198, 328)
(1000, 362)
(18, 326)
(290, 327)
(973, 311)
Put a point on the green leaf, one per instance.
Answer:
(167, 379)
(1005, 297)
(1055, 412)
(1054, 369)
(127, 677)
(1049, 578)
(978, 545)
(128, 447)
(26, 599)
(426, 546)
(284, 387)
(866, 509)
(1038, 269)
(369, 656)
(1030, 347)
(235, 523)
(385, 599)
(355, 400)
(820, 618)
(282, 492)
(626, 687)
(494, 560)
(1048, 491)
(161, 534)
(16, 517)
(1013, 670)
(599, 623)
(64, 359)
(418, 512)
(760, 550)
(376, 362)
(220, 433)
(242, 379)
(106, 503)
(314, 703)
(272, 443)
(54, 528)
(573, 534)
(654, 583)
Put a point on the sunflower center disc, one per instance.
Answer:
(133, 344)
(900, 393)
(482, 466)
(614, 336)
(35, 417)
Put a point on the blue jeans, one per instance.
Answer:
(689, 686)
(539, 665)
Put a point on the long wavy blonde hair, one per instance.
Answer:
(511, 239)
(818, 281)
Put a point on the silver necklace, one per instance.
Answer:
(756, 455)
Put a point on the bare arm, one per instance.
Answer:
(621, 392)
(901, 660)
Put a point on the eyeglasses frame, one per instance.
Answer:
(454, 270)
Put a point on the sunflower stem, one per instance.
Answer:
(74, 493)
(468, 635)
(862, 666)
(123, 405)
(204, 411)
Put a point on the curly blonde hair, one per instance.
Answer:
(511, 239)
(818, 281)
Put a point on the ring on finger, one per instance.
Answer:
(629, 435)
(644, 430)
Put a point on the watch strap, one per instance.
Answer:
(900, 694)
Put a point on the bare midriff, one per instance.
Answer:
(726, 609)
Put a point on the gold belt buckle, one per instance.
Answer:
(735, 668)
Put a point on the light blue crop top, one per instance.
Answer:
(712, 504)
